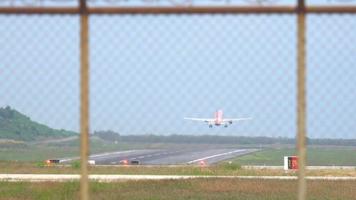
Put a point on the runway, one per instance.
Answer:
(168, 156)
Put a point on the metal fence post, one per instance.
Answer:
(301, 98)
(84, 99)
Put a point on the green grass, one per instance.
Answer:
(197, 189)
(317, 156)
(40, 152)
(36, 153)
(332, 156)
(265, 157)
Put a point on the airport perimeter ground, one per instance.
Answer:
(222, 169)
(200, 188)
(182, 189)
(197, 188)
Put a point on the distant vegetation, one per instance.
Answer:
(241, 140)
(205, 139)
(107, 135)
(17, 126)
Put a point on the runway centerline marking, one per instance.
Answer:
(216, 155)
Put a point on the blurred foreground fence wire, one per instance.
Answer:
(157, 33)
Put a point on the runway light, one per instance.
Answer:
(125, 162)
(202, 163)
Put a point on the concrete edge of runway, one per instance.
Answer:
(118, 178)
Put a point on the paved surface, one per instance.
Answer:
(168, 156)
(114, 178)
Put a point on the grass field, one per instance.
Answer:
(37, 152)
(43, 151)
(316, 156)
(224, 168)
(182, 189)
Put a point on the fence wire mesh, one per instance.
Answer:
(331, 86)
(39, 83)
(150, 72)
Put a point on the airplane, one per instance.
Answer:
(218, 119)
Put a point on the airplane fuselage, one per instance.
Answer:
(217, 120)
(218, 116)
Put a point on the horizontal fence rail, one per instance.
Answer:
(180, 10)
(299, 10)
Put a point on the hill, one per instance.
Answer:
(17, 126)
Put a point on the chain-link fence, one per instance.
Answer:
(162, 75)
(149, 72)
(331, 57)
(39, 81)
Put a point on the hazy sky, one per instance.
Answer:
(148, 72)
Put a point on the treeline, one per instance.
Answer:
(336, 142)
(205, 139)
(107, 135)
(215, 139)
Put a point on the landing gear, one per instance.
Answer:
(210, 126)
(225, 125)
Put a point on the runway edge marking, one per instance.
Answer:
(216, 155)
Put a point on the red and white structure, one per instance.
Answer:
(290, 162)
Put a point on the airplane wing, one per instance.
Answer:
(236, 119)
(199, 119)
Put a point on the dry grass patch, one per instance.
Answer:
(10, 167)
(182, 189)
